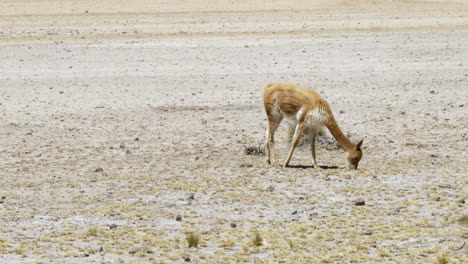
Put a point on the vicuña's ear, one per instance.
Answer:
(358, 146)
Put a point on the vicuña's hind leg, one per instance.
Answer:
(267, 145)
(273, 123)
(295, 141)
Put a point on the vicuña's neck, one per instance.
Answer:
(335, 130)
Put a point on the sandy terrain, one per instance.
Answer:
(163, 96)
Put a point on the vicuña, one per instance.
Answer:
(307, 108)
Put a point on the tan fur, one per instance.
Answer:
(307, 108)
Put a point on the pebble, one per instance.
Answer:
(271, 188)
(99, 169)
(462, 200)
(113, 226)
(368, 232)
(178, 218)
(295, 212)
(359, 202)
(122, 145)
(233, 225)
(187, 259)
(189, 196)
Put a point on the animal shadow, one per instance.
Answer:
(325, 167)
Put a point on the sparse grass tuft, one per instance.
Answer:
(228, 243)
(442, 259)
(193, 239)
(463, 220)
(291, 244)
(257, 240)
(20, 250)
(93, 231)
(383, 253)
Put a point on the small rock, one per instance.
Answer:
(101, 249)
(99, 169)
(368, 232)
(462, 200)
(178, 218)
(137, 139)
(113, 226)
(122, 145)
(3, 197)
(359, 202)
(86, 254)
(397, 210)
(271, 188)
(189, 196)
(295, 212)
(437, 199)
(187, 259)
(233, 225)
(128, 151)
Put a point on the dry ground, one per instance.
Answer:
(162, 95)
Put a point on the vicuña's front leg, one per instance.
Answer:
(312, 148)
(295, 141)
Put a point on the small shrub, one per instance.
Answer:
(258, 150)
(193, 239)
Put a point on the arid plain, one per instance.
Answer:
(123, 126)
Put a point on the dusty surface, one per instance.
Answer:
(80, 82)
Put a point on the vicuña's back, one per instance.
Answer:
(307, 108)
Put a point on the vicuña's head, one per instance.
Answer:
(354, 156)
